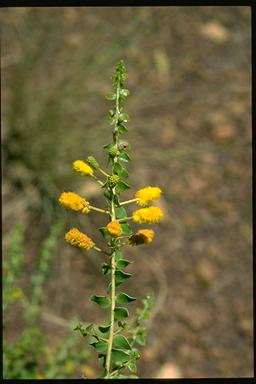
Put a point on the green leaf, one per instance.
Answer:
(102, 359)
(123, 117)
(122, 128)
(123, 263)
(107, 146)
(116, 200)
(105, 233)
(121, 313)
(123, 298)
(124, 92)
(120, 341)
(110, 96)
(100, 346)
(89, 327)
(120, 212)
(109, 287)
(118, 255)
(102, 301)
(122, 186)
(124, 157)
(126, 229)
(132, 367)
(123, 325)
(106, 269)
(108, 195)
(119, 356)
(121, 276)
(120, 170)
(140, 339)
(104, 329)
(136, 353)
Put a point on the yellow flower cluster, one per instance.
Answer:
(81, 167)
(75, 202)
(148, 215)
(114, 228)
(148, 194)
(143, 236)
(79, 239)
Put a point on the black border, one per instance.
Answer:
(139, 3)
(127, 3)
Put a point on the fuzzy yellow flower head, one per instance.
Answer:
(79, 239)
(114, 228)
(81, 167)
(148, 215)
(72, 200)
(143, 236)
(148, 194)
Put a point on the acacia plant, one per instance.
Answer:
(114, 341)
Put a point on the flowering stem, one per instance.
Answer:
(101, 251)
(103, 172)
(100, 182)
(98, 209)
(125, 219)
(128, 201)
(113, 260)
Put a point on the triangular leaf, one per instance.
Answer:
(132, 367)
(119, 356)
(106, 269)
(102, 301)
(100, 346)
(122, 186)
(124, 157)
(104, 232)
(120, 341)
(102, 359)
(120, 170)
(126, 229)
(118, 254)
(123, 298)
(123, 263)
(121, 277)
(121, 313)
(104, 329)
(122, 128)
(120, 212)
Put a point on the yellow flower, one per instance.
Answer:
(73, 201)
(143, 236)
(146, 195)
(114, 228)
(81, 167)
(79, 239)
(148, 215)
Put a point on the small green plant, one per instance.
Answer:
(115, 340)
(28, 356)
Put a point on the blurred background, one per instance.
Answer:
(189, 74)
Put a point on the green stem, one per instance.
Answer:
(113, 260)
(98, 209)
(128, 201)
(112, 315)
(125, 219)
(103, 172)
(98, 181)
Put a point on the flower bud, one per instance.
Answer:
(113, 180)
(113, 151)
(93, 162)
